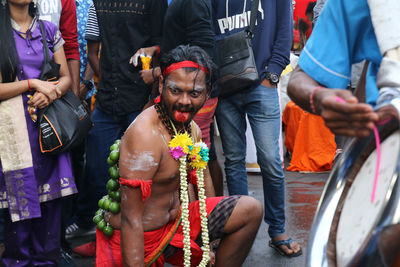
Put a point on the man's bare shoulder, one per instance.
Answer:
(146, 133)
(146, 123)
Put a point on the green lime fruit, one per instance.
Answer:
(112, 185)
(117, 196)
(99, 212)
(113, 171)
(106, 204)
(101, 203)
(114, 207)
(97, 219)
(109, 161)
(101, 225)
(111, 194)
(114, 147)
(118, 141)
(114, 155)
(108, 230)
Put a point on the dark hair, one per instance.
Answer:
(190, 53)
(9, 59)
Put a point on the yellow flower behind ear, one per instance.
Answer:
(182, 140)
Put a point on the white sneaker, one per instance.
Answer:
(74, 230)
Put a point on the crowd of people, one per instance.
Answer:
(164, 116)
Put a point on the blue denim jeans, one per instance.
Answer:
(261, 105)
(106, 129)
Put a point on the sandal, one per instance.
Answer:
(277, 246)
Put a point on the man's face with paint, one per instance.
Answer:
(183, 94)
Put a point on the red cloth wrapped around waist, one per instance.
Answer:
(108, 249)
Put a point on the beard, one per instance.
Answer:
(180, 115)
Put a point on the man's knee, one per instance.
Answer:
(248, 210)
(251, 208)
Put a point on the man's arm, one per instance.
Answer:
(280, 56)
(93, 49)
(208, 183)
(199, 25)
(88, 75)
(69, 32)
(135, 144)
(349, 118)
(74, 66)
(93, 38)
(157, 9)
(132, 234)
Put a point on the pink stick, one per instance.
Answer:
(378, 154)
(339, 99)
(384, 121)
(378, 163)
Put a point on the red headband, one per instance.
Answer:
(184, 64)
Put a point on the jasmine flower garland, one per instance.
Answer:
(185, 211)
(204, 219)
(182, 146)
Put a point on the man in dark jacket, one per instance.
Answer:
(260, 102)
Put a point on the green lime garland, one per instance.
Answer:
(111, 201)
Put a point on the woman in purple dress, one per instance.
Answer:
(31, 183)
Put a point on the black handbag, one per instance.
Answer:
(236, 62)
(65, 122)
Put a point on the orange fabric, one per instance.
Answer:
(145, 186)
(108, 249)
(313, 143)
(291, 118)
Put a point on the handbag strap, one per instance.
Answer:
(44, 41)
(253, 14)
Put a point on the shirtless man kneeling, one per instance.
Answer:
(151, 229)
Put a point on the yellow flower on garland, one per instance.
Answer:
(198, 164)
(195, 155)
(182, 140)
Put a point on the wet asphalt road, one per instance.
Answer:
(302, 194)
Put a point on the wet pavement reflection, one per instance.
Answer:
(302, 201)
(302, 193)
